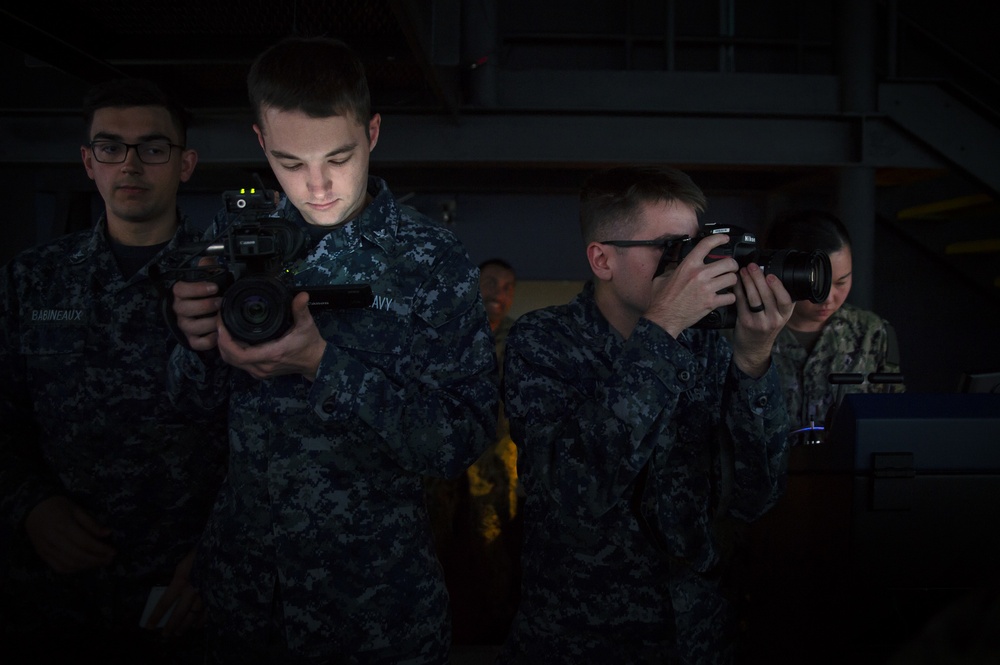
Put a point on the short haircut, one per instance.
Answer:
(126, 92)
(319, 76)
(610, 199)
(807, 230)
(496, 261)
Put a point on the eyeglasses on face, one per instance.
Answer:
(116, 152)
(671, 246)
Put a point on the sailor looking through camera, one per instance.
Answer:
(639, 435)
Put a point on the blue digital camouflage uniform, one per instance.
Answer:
(323, 510)
(853, 341)
(622, 565)
(84, 413)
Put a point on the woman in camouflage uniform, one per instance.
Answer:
(829, 337)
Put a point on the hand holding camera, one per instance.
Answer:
(195, 307)
(251, 265)
(299, 350)
(805, 275)
(694, 288)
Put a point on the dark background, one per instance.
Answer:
(494, 111)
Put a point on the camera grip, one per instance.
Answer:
(215, 274)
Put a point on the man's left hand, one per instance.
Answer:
(763, 307)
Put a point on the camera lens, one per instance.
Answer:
(805, 275)
(257, 309)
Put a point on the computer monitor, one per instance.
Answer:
(926, 478)
(979, 382)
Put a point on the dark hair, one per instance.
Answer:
(611, 198)
(320, 76)
(497, 262)
(807, 230)
(125, 92)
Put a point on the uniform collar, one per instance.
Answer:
(377, 223)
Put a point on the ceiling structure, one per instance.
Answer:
(472, 95)
(201, 50)
(482, 94)
(763, 102)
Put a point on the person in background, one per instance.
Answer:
(497, 282)
(639, 436)
(797, 586)
(829, 337)
(319, 549)
(104, 484)
(476, 516)
(493, 478)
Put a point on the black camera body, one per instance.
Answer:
(804, 274)
(257, 253)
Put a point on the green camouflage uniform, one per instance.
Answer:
(853, 341)
(84, 413)
(628, 475)
(320, 534)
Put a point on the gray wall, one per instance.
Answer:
(946, 325)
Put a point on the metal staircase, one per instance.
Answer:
(953, 214)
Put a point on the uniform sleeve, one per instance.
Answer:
(584, 430)
(643, 426)
(198, 381)
(24, 481)
(435, 411)
(730, 457)
(757, 425)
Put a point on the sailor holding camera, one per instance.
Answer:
(105, 485)
(320, 548)
(641, 437)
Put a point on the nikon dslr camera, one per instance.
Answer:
(257, 252)
(805, 275)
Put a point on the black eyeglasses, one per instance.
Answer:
(673, 249)
(671, 246)
(149, 152)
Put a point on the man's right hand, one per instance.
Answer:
(66, 537)
(685, 293)
(196, 305)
